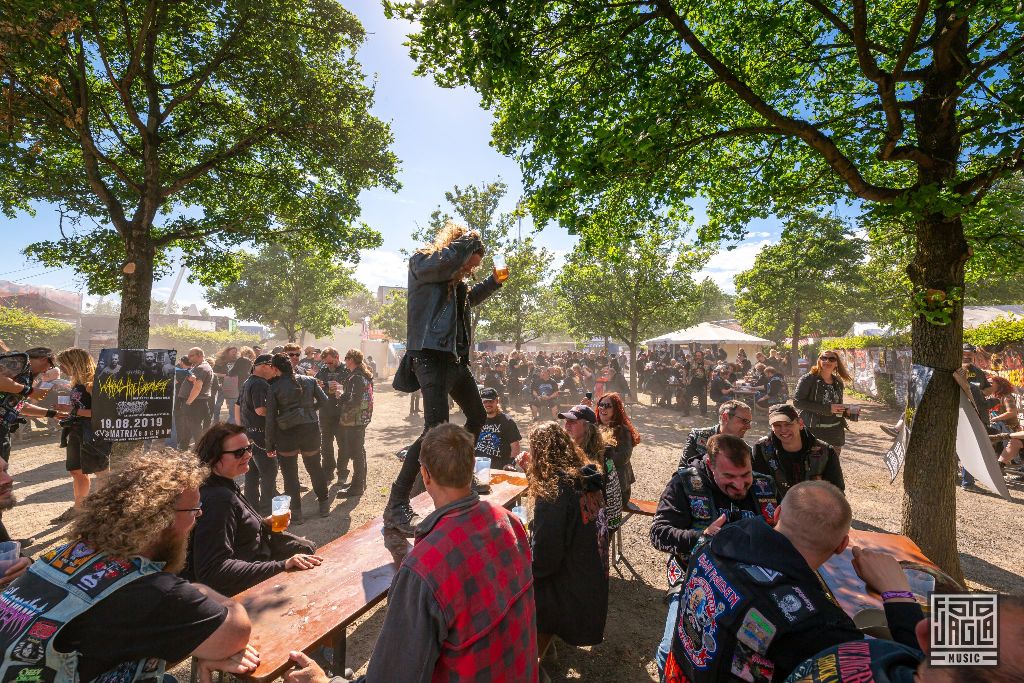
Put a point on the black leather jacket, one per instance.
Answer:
(432, 313)
(285, 398)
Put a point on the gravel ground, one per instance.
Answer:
(989, 532)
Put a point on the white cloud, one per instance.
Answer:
(381, 267)
(724, 265)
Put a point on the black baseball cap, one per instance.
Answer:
(782, 412)
(489, 394)
(579, 412)
(262, 359)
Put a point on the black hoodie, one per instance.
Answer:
(818, 624)
(569, 540)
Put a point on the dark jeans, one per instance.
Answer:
(261, 479)
(289, 465)
(439, 377)
(701, 394)
(330, 433)
(196, 421)
(352, 446)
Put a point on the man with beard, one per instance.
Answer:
(7, 501)
(734, 418)
(108, 604)
(698, 501)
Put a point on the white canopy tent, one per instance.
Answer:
(706, 334)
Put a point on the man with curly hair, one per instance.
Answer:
(107, 605)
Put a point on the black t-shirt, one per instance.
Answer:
(80, 397)
(339, 374)
(543, 387)
(496, 439)
(253, 395)
(204, 374)
(158, 615)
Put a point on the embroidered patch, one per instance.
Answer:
(44, 628)
(756, 632)
(102, 574)
(762, 487)
(751, 666)
(674, 571)
(700, 507)
(25, 601)
(696, 483)
(72, 558)
(772, 463)
(760, 574)
(794, 603)
(768, 511)
(706, 599)
(29, 649)
(31, 674)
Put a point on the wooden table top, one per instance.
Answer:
(298, 610)
(848, 588)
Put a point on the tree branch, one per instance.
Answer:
(126, 99)
(204, 167)
(199, 77)
(798, 128)
(842, 26)
(911, 40)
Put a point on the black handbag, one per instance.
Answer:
(405, 377)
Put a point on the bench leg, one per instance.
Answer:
(338, 644)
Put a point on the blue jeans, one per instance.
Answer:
(966, 479)
(665, 646)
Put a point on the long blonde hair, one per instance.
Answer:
(80, 365)
(840, 370)
(553, 455)
(448, 233)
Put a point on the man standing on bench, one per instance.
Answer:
(440, 331)
(450, 619)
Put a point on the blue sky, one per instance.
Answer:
(442, 139)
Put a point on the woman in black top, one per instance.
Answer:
(86, 453)
(292, 428)
(819, 398)
(569, 539)
(611, 412)
(232, 546)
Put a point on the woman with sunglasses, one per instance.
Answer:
(819, 398)
(611, 413)
(233, 547)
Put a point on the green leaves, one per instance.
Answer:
(392, 317)
(525, 308)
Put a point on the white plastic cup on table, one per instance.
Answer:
(520, 512)
(281, 513)
(10, 552)
(482, 470)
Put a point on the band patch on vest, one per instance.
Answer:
(102, 574)
(17, 612)
(759, 574)
(72, 558)
(700, 507)
(675, 572)
(756, 632)
(707, 598)
(30, 674)
(794, 603)
(768, 511)
(762, 487)
(751, 666)
(696, 483)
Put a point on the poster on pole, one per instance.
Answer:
(133, 394)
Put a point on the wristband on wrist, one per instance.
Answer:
(26, 389)
(50, 412)
(892, 595)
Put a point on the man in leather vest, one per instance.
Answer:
(108, 605)
(698, 501)
(734, 418)
(753, 607)
(791, 453)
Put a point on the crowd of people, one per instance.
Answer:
(155, 552)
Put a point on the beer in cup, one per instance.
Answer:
(500, 268)
(281, 513)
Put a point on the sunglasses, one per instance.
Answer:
(294, 355)
(605, 406)
(829, 359)
(195, 511)
(238, 452)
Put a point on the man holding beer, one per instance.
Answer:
(232, 547)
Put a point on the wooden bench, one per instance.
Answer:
(308, 609)
(634, 506)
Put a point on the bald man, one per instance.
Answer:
(753, 607)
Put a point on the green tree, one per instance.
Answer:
(293, 291)
(392, 316)
(805, 282)
(361, 304)
(716, 304)
(633, 290)
(520, 312)
(160, 128)
(763, 107)
(21, 329)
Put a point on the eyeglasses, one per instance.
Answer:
(239, 452)
(294, 355)
(828, 359)
(744, 421)
(198, 512)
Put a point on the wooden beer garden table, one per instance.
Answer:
(306, 609)
(848, 588)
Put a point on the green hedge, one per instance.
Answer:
(21, 329)
(995, 335)
(184, 338)
(863, 342)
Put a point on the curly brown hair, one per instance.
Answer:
(129, 512)
(553, 455)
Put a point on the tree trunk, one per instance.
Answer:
(796, 342)
(929, 493)
(632, 368)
